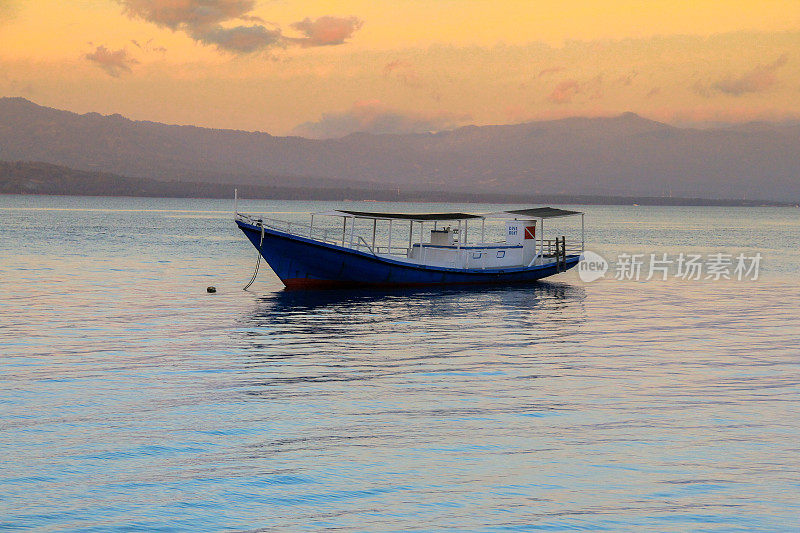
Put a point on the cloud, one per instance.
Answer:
(148, 46)
(203, 21)
(326, 31)
(567, 90)
(627, 79)
(655, 91)
(114, 62)
(218, 23)
(759, 79)
(403, 71)
(244, 39)
(550, 70)
(701, 88)
(372, 116)
(183, 14)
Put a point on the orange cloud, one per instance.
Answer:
(326, 31)
(759, 79)
(114, 62)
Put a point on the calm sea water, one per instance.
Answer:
(133, 400)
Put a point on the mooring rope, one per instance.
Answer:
(258, 260)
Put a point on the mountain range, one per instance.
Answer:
(625, 155)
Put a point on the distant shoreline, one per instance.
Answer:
(25, 178)
(449, 198)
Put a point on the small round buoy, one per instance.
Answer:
(211, 289)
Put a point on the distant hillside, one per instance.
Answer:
(17, 177)
(618, 156)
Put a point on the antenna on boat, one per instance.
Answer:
(235, 201)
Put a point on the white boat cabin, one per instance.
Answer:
(451, 240)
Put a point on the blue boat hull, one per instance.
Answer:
(305, 263)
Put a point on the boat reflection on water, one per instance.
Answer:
(349, 322)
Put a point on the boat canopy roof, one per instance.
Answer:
(533, 212)
(401, 216)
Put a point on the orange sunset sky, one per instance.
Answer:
(321, 68)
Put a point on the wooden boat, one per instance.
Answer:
(394, 249)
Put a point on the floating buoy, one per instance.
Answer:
(211, 289)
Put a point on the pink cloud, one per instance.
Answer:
(565, 92)
(326, 31)
(372, 116)
(114, 62)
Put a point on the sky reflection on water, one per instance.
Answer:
(131, 399)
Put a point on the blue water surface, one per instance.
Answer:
(132, 400)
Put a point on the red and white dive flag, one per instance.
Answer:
(530, 232)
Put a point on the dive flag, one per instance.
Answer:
(530, 232)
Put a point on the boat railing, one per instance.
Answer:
(361, 244)
(362, 241)
(545, 247)
(327, 235)
(295, 228)
(552, 247)
(394, 250)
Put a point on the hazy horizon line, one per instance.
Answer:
(683, 125)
